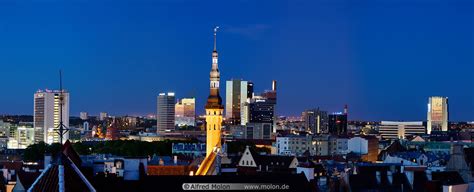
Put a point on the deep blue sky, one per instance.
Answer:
(381, 57)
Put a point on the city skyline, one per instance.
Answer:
(323, 67)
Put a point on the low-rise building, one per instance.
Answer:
(252, 163)
(400, 129)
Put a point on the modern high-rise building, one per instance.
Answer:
(244, 105)
(84, 115)
(237, 92)
(185, 112)
(103, 116)
(47, 114)
(337, 124)
(315, 120)
(437, 114)
(261, 110)
(214, 108)
(165, 112)
(400, 129)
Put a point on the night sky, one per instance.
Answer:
(381, 57)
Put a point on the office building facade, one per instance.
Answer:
(237, 93)
(437, 114)
(315, 121)
(185, 112)
(400, 129)
(165, 112)
(337, 124)
(47, 114)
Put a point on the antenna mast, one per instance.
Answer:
(62, 129)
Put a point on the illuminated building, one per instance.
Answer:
(214, 108)
(23, 137)
(261, 110)
(103, 116)
(185, 112)
(315, 120)
(112, 132)
(47, 115)
(84, 115)
(366, 146)
(399, 129)
(237, 93)
(258, 131)
(337, 124)
(437, 114)
(165, 115)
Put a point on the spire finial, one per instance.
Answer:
(215, 34)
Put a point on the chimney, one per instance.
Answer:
(175, 160)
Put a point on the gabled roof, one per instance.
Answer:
(74, 180)
(275, 161)
(396, 146)
(49, 179)
(69, 151)
(26, 178)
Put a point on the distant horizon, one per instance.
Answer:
(381, 58)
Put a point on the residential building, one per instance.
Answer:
(366, 146)
(251, 163)
(294, 145)
(338, 145)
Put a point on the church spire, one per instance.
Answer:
(215, 37)
(214, 100)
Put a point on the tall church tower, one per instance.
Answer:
(214, 108)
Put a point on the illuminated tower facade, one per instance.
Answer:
(214, 108)
(47, 112)
(437, 114)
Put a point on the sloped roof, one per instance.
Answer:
(69, 151)
(469, 155)
(74, 180)
(396, 146)
(48, 181)
(273, 160)
(27, 178)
